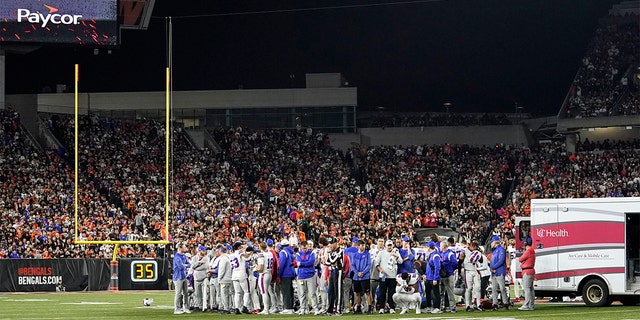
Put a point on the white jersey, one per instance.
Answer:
(266, 260)
(373, 252)
(470, 259)
(421, 253)
(253, 262)
(316, 253)
(413, 279)
(483, 267)
(515, 264)
(321, 256)
(457, 249)
(238, 266)
(405, 286)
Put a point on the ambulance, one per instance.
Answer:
(585, 246)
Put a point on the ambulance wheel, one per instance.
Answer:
(595, 293)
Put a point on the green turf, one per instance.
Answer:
(128, 305)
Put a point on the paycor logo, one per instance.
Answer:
(51, 17)
(542, 233)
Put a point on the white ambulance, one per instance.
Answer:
(586, 246)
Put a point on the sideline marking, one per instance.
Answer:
(91, 303)
(156, 307)
(449, 318)
(29, 300)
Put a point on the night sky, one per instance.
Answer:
(479, 55)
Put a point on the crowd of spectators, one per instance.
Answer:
(450, 186)
(550, 172)
(608, 144)
(433, 119)
(601, 80)
(35, 197)
(275, 184)
(630, 105)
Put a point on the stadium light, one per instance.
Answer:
(447, 105)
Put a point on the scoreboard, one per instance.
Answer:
(144, 271)
(144, 274)
(90, 23)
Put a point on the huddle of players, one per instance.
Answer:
(241, 278)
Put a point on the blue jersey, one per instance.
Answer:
(407, 256)
(180, 266)
(285, 263)
(449, 261)
(361, 262)
(433, 266)
(350, 252)
(306, 261)
(498, 261)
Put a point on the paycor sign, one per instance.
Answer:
(52, 17)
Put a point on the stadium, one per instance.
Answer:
(103, 191)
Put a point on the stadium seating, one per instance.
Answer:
(276, 183)
(604, 76)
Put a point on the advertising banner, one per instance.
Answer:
(37, 275)
(32, 275)
(93, 23)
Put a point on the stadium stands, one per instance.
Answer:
(603, 78)
(276, 183)
(428, 119)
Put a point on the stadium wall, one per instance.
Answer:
(565, 125)
(611, 133)
(202, 99)
(472, 135)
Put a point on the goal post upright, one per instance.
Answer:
(75, 145)
(168, 133)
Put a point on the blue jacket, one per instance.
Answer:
(433, 267)
(361, 262)
(406, 265)
(449, 261)
(180, 265)
(306, 264)
(498, 261)
(350, 251)
(285, 263)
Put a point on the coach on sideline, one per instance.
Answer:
(528, 261)
(180, 266)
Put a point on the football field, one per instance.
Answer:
(128, 305)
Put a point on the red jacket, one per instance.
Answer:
(528, 262)
(274, 268)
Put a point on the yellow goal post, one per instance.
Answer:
(168, 134)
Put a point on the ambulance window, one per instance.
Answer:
(525, 229)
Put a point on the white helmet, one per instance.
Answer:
(147, 302)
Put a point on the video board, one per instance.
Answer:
(75, 22)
